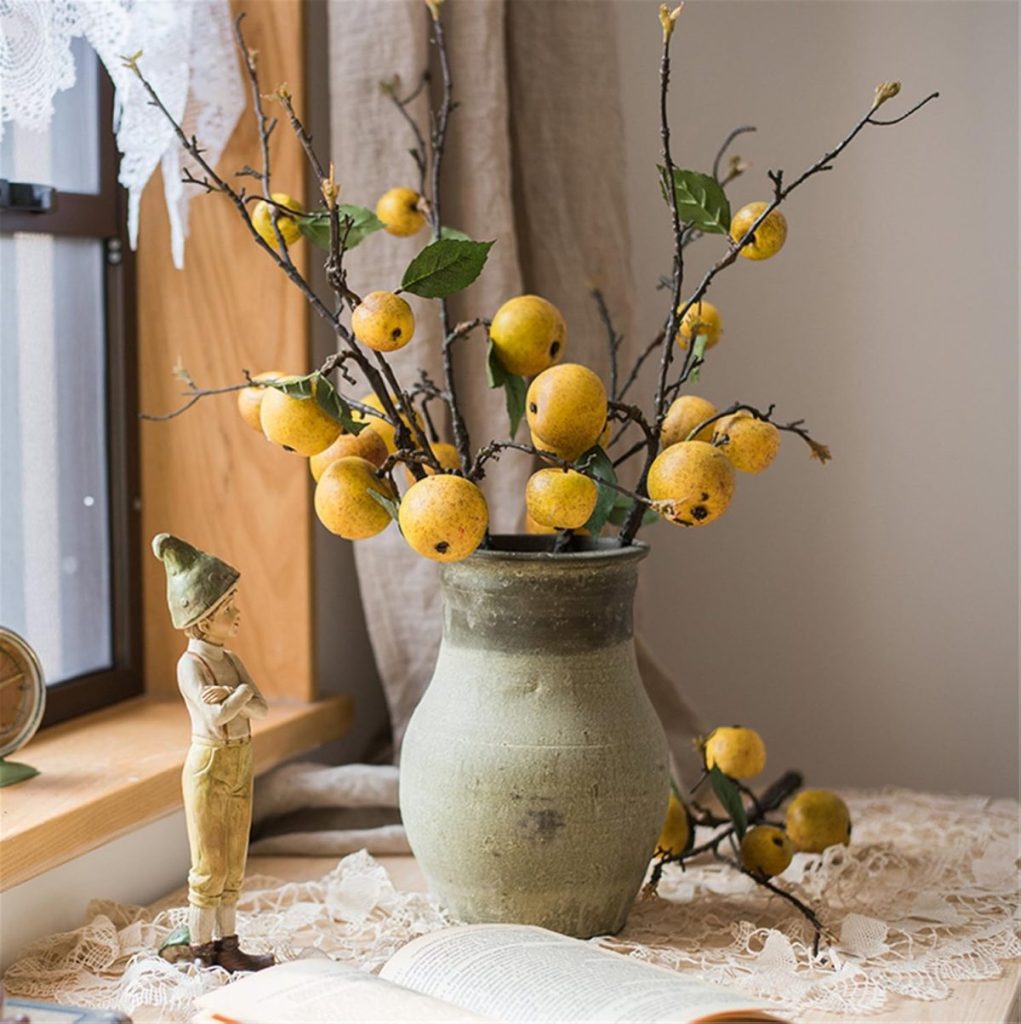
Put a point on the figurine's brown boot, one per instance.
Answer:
(205, 954)
(231, 957)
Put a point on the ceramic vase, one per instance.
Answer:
(534, 772)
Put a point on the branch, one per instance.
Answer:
(633, 520)
(613, 338)
(439, 139)
(192, 148)
(495, 448)
(264, 125)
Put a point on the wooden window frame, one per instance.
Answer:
(103, 216)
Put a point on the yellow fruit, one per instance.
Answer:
(343, 502)
(446, 455)
(686, 413)
(531, 526)
(383, 321)
(367, 445)
(752, 443)
(769, 236)
(736, 751)
(250, 399)
(702, 318)
(297, 424)
(566, 407)
(528, 334)
(766, 850)
(816, 819)
(262, 219)
(444, 517)
(398, 209)
(382, 427)
(695, 482)
(676, 833)
(560, 498)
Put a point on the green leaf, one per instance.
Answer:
(392, 506)
(459, 236)
(445, 267)
(294, 387)
(316, 227)
(701, 200)
(515, 387)
(699, 352)
(730, 796)
(326, 396)
(598, 462)
(330, 400)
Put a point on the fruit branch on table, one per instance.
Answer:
(772, 797)
(809, 914)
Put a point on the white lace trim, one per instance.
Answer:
(926, 896)
(188, 56)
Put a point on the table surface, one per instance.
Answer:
(976, 1002)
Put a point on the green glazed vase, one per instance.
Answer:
(534, 772)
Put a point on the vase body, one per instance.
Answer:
(534, 772)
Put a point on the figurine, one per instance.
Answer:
(217, 779)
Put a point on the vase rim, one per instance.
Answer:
(524, 547)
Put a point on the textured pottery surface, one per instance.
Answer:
(534, 775)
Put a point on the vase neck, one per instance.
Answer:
(525, 605)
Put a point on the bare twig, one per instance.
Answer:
(613, 338)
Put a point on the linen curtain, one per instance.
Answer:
(535, 160)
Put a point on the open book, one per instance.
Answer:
(514, 974)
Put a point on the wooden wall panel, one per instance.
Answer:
(205, 475)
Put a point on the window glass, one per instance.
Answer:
(54, 505)
(67, 154)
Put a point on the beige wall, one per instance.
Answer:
(862, 615)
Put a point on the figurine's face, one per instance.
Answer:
(225, 622)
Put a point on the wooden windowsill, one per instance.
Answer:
(111, 771)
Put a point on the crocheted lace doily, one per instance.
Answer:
(926, 896)
(187, 54)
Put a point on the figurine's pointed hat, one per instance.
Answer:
(196, 582)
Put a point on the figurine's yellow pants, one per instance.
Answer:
(217, 784)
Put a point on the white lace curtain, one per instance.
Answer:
(187, 55)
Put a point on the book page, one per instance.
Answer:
(322, 992)
(523, 975)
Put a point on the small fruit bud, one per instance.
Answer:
(736, 167)
(389, 86)
(131, 63)
(667, 18)
(885, 91)
(434, 8)
(330, 189)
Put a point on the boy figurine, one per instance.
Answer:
(217, 778)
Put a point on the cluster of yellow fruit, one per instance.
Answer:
(444, 516)
(815, 819)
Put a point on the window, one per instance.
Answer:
(69, 544)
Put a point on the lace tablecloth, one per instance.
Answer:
(925, 897)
